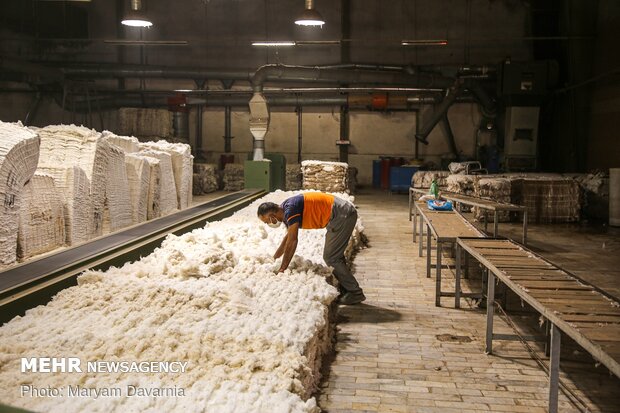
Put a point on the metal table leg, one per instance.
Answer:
(486, 221)
(525, 227)
(415, 221)
(410, 196)
(438, 277)
(421, 239)
(466, 263)
(490, 311)
(554, 369)
(457, 291)
(428, 252)
(495, 223)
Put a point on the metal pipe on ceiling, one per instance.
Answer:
(352, 102)
(307, 74)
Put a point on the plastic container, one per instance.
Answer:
(400, 177)
(385, 173)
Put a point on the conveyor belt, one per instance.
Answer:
(58, 270)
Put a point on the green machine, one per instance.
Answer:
(269, 174)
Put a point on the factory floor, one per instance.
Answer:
(397, 352)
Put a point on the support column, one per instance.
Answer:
(490, 310)
(554, 369)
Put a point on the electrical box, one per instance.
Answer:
(268, 174)
(521, 137)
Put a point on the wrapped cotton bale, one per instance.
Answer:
(462, 184)
(182, 166)
(325, 176)
(145, 122)
(293, 177)
(74, 189)
(167, 186)
(233, 177)
(548, 199)
(41, 218)
(423, 179)
(497, 189)
(138, 176)
(19, 154)
(205, 178)
(117, 213)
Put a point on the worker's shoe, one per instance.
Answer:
(352, 298)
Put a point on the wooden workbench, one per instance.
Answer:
(585, 313)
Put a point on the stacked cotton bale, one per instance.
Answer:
(498, 189)
(462, 184)
(73, 187)
(19, 154)
(167, 186)
(233, 177)
(70, 145)
(153, 207)
(145, 122)
(293, 177)
(117, 212)
(128, 144)
(205, 178)
(41, 218)
(139, 177)
(548, 199)
(423, 179)
(325, 176)
(182, 167)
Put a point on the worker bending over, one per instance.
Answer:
(314, 210)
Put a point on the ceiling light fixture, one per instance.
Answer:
(269, 43)
(310, 17)
(436, 42)
(136, 17)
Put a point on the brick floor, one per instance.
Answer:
(388, 357)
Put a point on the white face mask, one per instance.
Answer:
(274, 224)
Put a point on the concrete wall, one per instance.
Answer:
(372, 134)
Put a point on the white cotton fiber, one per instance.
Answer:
(253, 338)
(19, 154)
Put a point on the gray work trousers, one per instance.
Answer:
(339, 230)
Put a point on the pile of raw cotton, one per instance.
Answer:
(41, 218)
(19, 154)
(253, 339)
(233, 177)
(423, 179)
(205, 178)
(293, 177)
(325, 176)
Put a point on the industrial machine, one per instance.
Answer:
(268, 174)
(522, 87)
